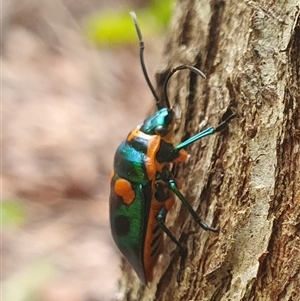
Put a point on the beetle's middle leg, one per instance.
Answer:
(164, 195)
(173, 187)
(167, 177)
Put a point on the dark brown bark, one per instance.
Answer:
(245, 180)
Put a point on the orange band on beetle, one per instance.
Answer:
(134, 133)
(152, 165)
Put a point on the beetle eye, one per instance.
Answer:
(161, 131)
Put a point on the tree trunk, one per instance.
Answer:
(245, 181)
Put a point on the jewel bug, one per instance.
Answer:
(143, 188)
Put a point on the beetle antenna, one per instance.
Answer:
(142, 48)
(181, 67)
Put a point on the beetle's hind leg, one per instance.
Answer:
(161, 218)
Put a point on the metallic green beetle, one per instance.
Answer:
(143, 187)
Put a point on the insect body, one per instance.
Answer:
(143, 188)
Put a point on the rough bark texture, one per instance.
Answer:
(246, 180)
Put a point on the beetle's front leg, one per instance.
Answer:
(209, 131)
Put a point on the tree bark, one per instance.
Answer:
(245, 181)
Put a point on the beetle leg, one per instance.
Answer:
(224, 123)
(160, 218)
(179, 277)
(174, 188)
(206, 132)
(162, 191)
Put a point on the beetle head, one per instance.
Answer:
(161, 123)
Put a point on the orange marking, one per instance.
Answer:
(153, 146)
(150, 262)
(123, 188)
(151, 164)
(112, 174)
(134, 133)
(182, 156)
(154, 142)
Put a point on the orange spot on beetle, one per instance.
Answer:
(123, 188)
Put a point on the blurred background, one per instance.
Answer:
(72, 89)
